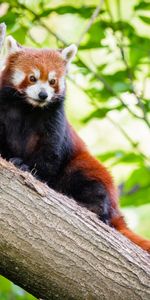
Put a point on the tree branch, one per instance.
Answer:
(119, 43)
(134, 144)
(95, 75)
(56, 249)
(91, 21)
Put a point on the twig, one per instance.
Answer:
(91, 21)
(130, 75)
(134, 145)
(97, 76)
(43, 24)
(109, 88)
(117, 125)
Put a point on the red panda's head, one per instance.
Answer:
(39, 74)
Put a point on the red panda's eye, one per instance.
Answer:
(32, 78)
(52, 81)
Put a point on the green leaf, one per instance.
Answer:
(138, 50)
(121, 156)
(8, 291)
(119, 81)
(136, 189)
(130, 158)
(100, 113)
(95, 93)
(46, 12)
(105, 95)
(83, 69)
(20, 34)
(142, 6)
(117, 76)
(126, 28)
(136, 196)
(120, 87)
(145, 19)
(10, 19)
(110, 155)
(83, 11)
(5, 285)
(146, 103)
(93, 37)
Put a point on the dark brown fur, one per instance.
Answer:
(42, 139)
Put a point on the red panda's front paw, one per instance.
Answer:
(18, 162)
(24, 168)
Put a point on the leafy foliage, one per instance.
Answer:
(9, 291)
(112, 71)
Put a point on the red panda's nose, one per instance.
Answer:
(43, 95)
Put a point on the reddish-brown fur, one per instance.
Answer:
(120, 224)
(32, 144)
(50, 60)
(84, 161)
(45, 60)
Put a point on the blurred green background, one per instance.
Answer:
(108, 88)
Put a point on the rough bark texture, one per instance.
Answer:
(55, 249)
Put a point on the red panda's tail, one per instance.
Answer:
(119, 223)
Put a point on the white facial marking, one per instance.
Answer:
(18, 77)
(51, 75)
(61, 84)
(36, 73)
(34, 90)
(35, 103)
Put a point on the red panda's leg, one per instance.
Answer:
(88, 192)
(18, 162)
(88, 182)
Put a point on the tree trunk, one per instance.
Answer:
(55, 249)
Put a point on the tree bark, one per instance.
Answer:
(55, 249)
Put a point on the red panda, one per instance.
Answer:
(35, 133)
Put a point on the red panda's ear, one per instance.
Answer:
(69, 53)
(12, 45)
